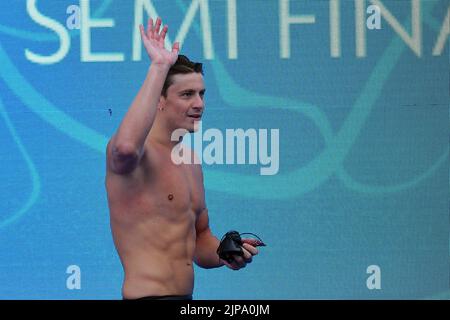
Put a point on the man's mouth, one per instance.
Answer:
(195, 116)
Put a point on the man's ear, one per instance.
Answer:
(161, 103)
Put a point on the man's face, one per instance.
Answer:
(183, 106)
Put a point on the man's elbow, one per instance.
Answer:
(125, 158)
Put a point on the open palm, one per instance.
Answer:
(153, 41)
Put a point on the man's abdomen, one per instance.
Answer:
(158, 279)
(157, 258)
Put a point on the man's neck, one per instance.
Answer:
(161, 136)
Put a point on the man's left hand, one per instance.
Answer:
(240, 262)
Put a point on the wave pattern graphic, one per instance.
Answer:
(306, 178)
(330, 161)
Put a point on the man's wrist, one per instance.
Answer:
(161, 67)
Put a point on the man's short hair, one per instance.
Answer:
(182, 66)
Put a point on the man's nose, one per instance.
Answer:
(199, 103)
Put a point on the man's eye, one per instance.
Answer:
(187, 94)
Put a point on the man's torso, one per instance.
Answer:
(153, 211)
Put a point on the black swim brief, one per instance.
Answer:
(169, 297)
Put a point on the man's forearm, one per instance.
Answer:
(206, 251)
(139, 118)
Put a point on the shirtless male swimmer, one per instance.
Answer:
(158, 214)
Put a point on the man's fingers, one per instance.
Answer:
(247, 255)
(150, 26)
(231, 265)
(239, 261)
(158, 25)
(141, 29)
(250, 248)
(253, 242)
(164, 32)
(248, 251)
(176, 47)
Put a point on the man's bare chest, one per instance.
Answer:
(172, 188)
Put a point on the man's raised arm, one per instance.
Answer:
(127, 145)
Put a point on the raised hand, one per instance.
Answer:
(153, 41)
